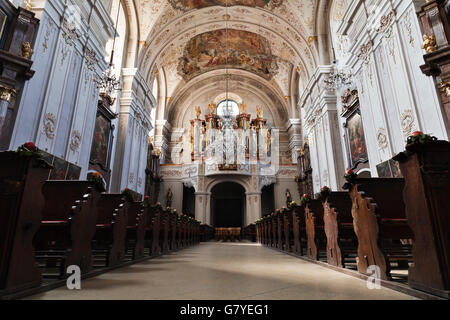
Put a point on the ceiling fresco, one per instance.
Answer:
(246, 50)
(186, 5)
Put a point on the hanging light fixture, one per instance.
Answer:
(108, 83)
(338, 79)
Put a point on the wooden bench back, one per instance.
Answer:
(387, 193)
(342, 202)
(134, 211)
(317, 208)
(60, 196)
(107, 205)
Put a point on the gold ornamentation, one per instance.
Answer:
(365, 51)
(212, 108)
(26, 50)
(198, 112)
(382, 139)
(429, 43)
(242, 108)
(445, 88)
(407, 121)
(259, 112)
(49, 125)
(6, 93)
(311, 40)
(75, 141)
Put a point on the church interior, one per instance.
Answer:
(224, 150)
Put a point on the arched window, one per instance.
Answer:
(227, 108)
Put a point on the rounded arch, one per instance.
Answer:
(323, 31)
(221, 179)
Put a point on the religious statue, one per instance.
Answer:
(429, 43)
(242, 108)
(212, 108)
(259, 112)
(198, 112)
(169, 197)
(288, 197)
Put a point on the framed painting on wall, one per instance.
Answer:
(355, 140)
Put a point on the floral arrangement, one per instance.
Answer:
(146, 202)
(418, 137)
(350, 175)
(325, 192)
(128, 194)
(96, 179)
(292, 204)
(158, 204)
(29, 149)
(305, 199)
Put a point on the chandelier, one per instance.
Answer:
(338, 79)
(108, 82)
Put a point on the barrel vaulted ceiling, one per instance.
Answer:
(184, 39)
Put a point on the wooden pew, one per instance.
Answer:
(280, 230)
(268, 226)
(165, 227)
(338, 221)
(288, 232)
(380, 223)
(206, 233)
(274, 226)
(68, 226)
(314, 229)
(152, 230)
(136, 230)
(298, 229)
(111, 229)
(426, 169)
(173, 231)
(250, 232)
(21, 202)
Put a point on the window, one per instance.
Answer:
(227, 108)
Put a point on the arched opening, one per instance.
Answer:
(267, 200)
(228, 205)
(189, 201)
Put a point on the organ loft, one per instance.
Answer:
(224, 150)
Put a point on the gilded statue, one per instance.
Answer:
(242, 108)
(259, 112)
(198, 112)
(429, 43)
(212, 108)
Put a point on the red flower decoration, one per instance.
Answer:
(126, 189)
(146, 197)
(417, 133)
(30, 146)
(96, 174)
(305, 195)
(324, 188)
(350, 171)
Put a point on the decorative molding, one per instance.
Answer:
(49, 125)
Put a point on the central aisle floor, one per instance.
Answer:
(224, 271)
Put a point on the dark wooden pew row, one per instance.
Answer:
(109, 245)
(315, 229)
(299, 230)
(342, 242)
(426, 168)
(21, 202)
(164, 234)
(206, 233)
(380, 223)
(136, 229)
(152, 230)
(173, 220)
(67, 227)
(250, 233)
(274, 227)
(280, 230)
(288, 230)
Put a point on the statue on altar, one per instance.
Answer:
(212, 108)
(169, 197)
(259, 112)
(288, 198)
(198, 112)
(242, 108)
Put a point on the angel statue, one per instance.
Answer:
(198, 112)
(242, 108)
(212, 108)
(429, 43)
(259, 112)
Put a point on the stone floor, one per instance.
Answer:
(224, 271)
